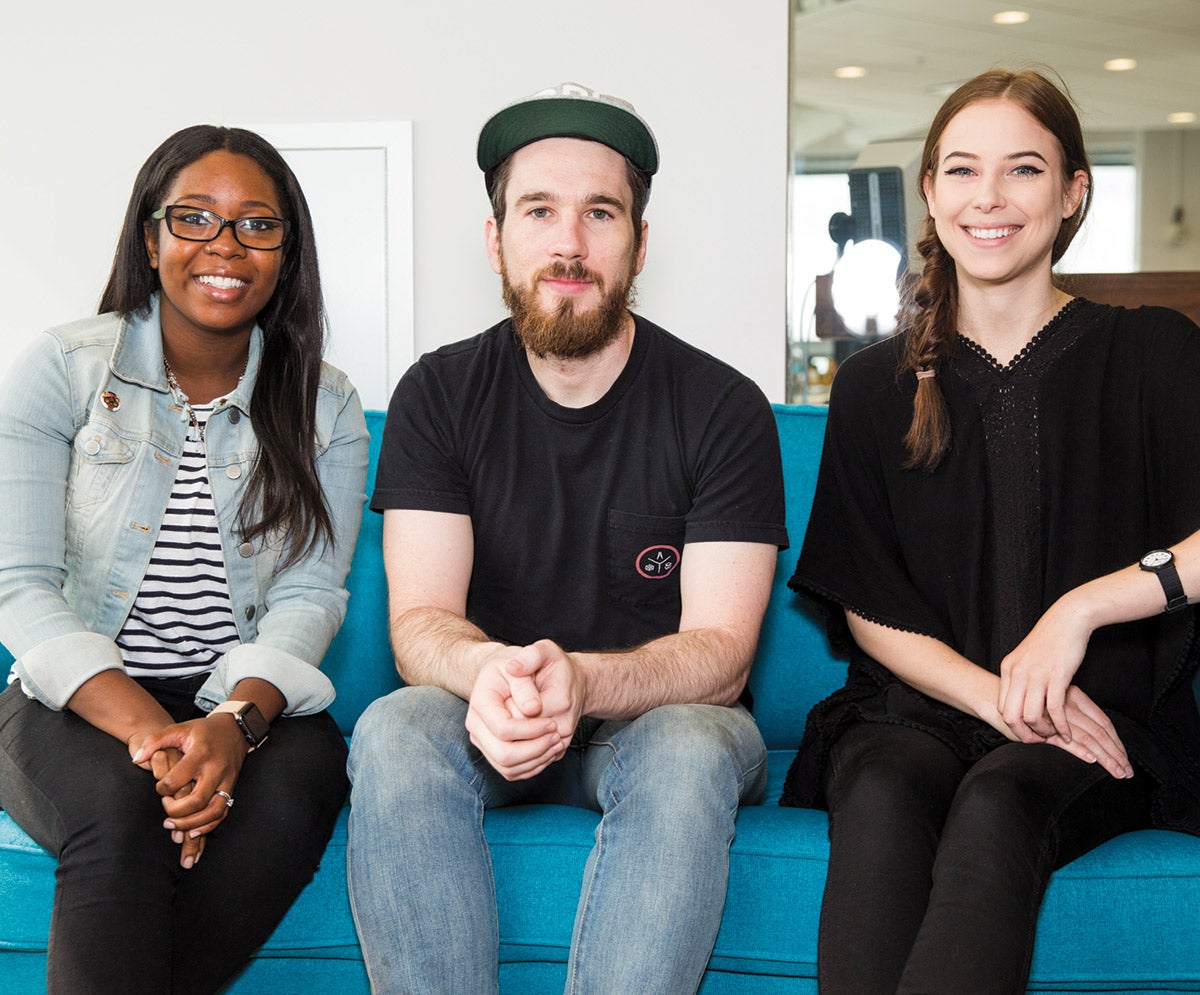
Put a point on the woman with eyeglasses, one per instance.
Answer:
(1005, 538)
(183, 487)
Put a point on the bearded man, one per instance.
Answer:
(581, 521)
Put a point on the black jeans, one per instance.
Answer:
(937, 869)
(126, 916)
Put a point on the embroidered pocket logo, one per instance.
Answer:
(657, 562)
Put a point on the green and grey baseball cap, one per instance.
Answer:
(567, 111)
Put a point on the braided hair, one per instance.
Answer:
(929, 313)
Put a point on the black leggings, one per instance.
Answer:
(126, 916)
(937, 868)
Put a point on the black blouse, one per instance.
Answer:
(1066, 464)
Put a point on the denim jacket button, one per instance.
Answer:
(246, 549)
(91, 447)
(233, 472)
(235, 416)
(250, 613)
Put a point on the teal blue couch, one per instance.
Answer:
(1120, 919)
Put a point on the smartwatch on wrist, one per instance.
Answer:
(1162, 563)
(249, 719)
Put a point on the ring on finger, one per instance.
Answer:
(227, 796)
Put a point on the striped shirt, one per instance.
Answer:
(181, 621)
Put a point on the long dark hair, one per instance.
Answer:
(283, 493)
(930, 312)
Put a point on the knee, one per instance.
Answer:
(874, 782)
(399, 735)
(410, 712)
(991, 806)
(301, 774)
(679, 748)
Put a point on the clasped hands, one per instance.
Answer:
(524, 706)
(192, 761)
(1039, 704)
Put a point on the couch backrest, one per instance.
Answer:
(793, 669)
(359, 661)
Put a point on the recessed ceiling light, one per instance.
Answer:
(1120, 65)
(850, 72)
(1011, 17)
(1182, 117)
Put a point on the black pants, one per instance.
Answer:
(937, 869)
(127, 917)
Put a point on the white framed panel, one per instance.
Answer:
(357, 178)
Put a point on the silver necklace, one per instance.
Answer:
(196, 425)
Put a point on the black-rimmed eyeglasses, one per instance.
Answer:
(196, 225)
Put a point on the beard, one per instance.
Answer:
(561, 332)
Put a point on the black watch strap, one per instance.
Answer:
(1161, 562)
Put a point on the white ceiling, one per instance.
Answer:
(916, 51)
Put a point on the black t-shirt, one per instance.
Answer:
(580, 514)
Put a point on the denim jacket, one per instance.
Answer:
(90, 440)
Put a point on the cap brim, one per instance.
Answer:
(566, 117)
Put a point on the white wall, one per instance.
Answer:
(88, 91)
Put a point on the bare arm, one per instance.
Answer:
(115, 703)
(525, 701)
(935, 669)
(1036, 675)
(428, 556)
(724, 587)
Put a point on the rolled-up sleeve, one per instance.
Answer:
(44, 675)
(306, 689)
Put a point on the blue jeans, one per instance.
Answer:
(668, 784)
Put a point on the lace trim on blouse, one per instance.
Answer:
(1010, 398)
(1030, 347)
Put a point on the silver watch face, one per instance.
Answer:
(1156, 558)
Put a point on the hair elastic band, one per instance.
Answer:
(926, 374)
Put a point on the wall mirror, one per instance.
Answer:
(868, 75)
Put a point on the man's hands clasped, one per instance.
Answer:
(524, 706)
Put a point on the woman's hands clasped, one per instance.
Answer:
(1039, 703)
(196, 765)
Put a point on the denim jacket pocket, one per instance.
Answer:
(643, 559)
(100, 458)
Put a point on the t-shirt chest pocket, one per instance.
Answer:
(643, 559)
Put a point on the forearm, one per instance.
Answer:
(724, 589)
(434, 646)
(264, 694)
(699, 666)
(116, 704)
(1131, 593)
(933, 668)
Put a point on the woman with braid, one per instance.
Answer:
(1005, 537)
